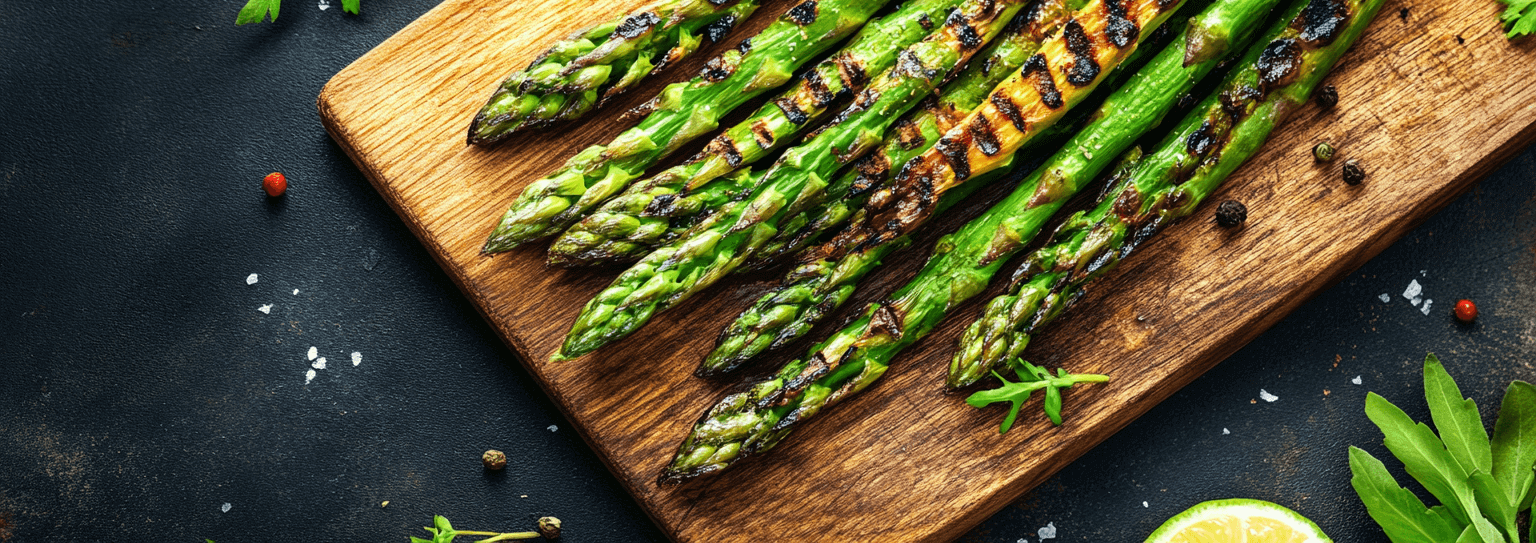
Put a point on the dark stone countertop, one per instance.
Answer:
(142, 390)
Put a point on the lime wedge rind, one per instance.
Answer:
(1170, 531)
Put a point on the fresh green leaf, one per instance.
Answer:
(1495, 506)
(1423, 456)
(1487, 531)
(1031, 378)
(1401, 515)
(1461, 428)
(350, 6)
(1514, 443)
(1470, 535)
(1520, 17)
(256, 10)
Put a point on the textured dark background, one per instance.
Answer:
(140, 388)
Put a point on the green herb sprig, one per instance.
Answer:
(1519, 17)
(1482, 484)
(443, 532)
(1031, 378)
(257, 10)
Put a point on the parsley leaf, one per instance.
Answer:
(256, 10)
(350, 6)
(1031, 378)
(1520, 17)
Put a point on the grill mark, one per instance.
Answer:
(852, 72)
(635, 26)
(1121, 31)
(744, 46)
(803, 14)
(725, 147)
(967, 35)
(1005, 105)
(1322, 21)
(717, 69)
(885, 320)
(1201, 141)
(763, 134)
(1128, 204)
(1084, 68)
(954, 151)
(908, 135)
(1040, 69)
(717, 30)
(924, 21)
(820, 94)
(983, 137)
(791, 110)
(1235, 102)
(661, 206)
(1278, 64)
(873, 169)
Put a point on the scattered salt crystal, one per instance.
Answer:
(313, 352)
(1266, 396)
(265, 309)
(250, 279)
(357, 358)
(1413, 290)
(309, 376)
(1144, 504)
(1416, 301)
(1425, 308)
(1424, 273)
(225, 508)
(319, 363)
(325, 5)
(1356, 380)
(295, 292)
(1226, 432)
(1022, 540)
(1048, 532)
(552, 428)
(1385, 297)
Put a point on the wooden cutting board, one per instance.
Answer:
(1431, 100)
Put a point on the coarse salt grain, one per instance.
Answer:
(1413, 290)
(1385, 297)
(309, 376)
(1356, 380)
(1425, 308)
(225, 508)
(1048, 532)
(357, 358)
(250, 279)
(1416, 301)
(552, 428)
(319, 363)
(1144, 504)
(295, 292)
(1266, 396)
(1226, 432)
(313, 352)
(325, 5)
(265, 309)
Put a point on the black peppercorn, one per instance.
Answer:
(1231, 213)
(494, 460)
(549, 527)
(1328, 97)
(1353, 173)
(1323, 152)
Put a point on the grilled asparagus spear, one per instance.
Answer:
(1217, 137)
(585, 70)
(751, 422)
(797, 181)
(681, 112)
(640, 219)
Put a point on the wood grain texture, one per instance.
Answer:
(1427, 114)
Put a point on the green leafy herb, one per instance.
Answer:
(256, 10)
(1031, 378)
(1482, 486)
(1520, 17)
(443, 532)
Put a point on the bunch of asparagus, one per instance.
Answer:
(878, 138)
(1295, 55)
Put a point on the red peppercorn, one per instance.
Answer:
(1466, 311)
(275, 184)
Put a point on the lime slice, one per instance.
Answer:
(1238, 521)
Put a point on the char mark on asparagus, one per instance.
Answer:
(1085, 70)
